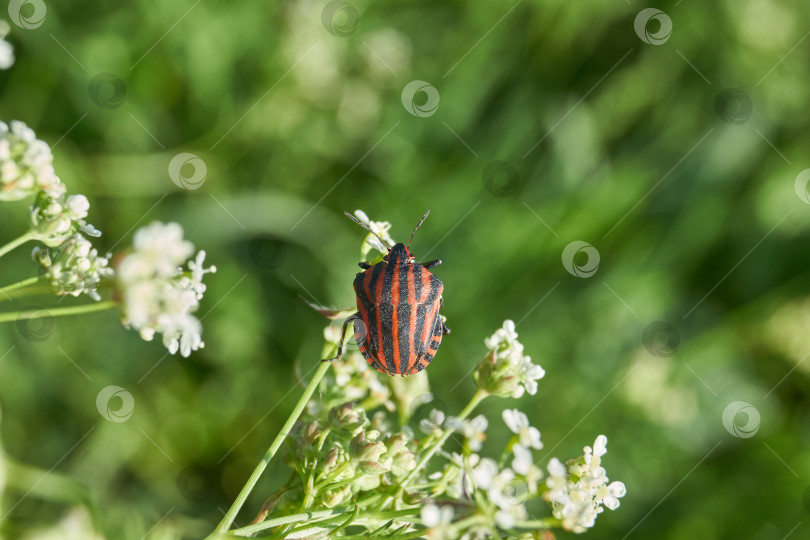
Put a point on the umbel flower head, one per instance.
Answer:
(506, 371)
(158, 295)
(74, 267)
(580, 491)
(26, 163)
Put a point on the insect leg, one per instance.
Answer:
(348, 320)
(364, 265)
(445, 329)
(431, 264)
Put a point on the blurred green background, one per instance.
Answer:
(685, 189)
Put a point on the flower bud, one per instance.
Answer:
(331, 458)
(397, 443)
(372, 451)
(372, 467)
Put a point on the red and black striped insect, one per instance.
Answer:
(397, 325)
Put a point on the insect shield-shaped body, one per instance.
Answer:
(397, 325)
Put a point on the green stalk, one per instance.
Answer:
(226, 522)
(16, 243)
(57, 312)
(309, 516)
(19, 285)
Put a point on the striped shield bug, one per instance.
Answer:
(397, 325)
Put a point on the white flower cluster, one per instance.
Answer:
(507, 371)
(158, 295)
(6, 50)
(579, 493)
(26, 163)
(54, 217)
(381, 228)
(74, 267)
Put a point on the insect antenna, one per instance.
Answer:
(366, 227)
(417, 226)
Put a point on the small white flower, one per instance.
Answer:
(433, 422)
(439, 521)
(158, 295)
(381, 228)
(474, 431)
(518, 423)
(484, 473)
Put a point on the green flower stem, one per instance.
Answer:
(226, 522)
(57, 312)
(16, 243)
(336, 514)
(479, 396)
(4, 291)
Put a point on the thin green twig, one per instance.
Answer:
(57, 312)
(230, 515)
